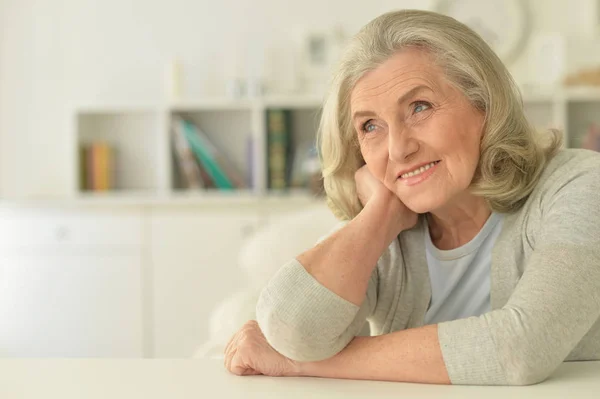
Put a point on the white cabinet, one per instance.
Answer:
(194, 267)
(123, 281)
(70, 306)
(70, 283)
(48, 229)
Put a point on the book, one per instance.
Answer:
(208, 182)
(96, 165)
(305, 164)
(90, 167)
(105, 167)
(189, 169)
(221, 160)
(83, 160)
(278, 149)
(212, 161)
(205, 155)
(250, 168)
(101, 163)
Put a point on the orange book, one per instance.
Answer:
(97, 162)
(99, 166)
(104, 167)
(110, 164)
(90, 168)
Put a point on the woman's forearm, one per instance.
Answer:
(408, 356)
(344, 261)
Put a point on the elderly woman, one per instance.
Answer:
(472, 244)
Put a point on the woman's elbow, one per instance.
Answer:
(528, 373)
(304, 326)
(296, 342)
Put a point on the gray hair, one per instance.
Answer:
(513, 154)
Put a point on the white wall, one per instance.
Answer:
(1, 85)
(55, 54)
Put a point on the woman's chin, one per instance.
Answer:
(420, 206)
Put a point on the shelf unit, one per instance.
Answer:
(145, 161)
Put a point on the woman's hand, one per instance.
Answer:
(249, 353)
(367, 185)
(369, 188)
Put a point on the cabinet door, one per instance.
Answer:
(69, 230)
(70, 305)
(194, 259)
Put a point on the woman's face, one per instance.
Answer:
(418, 134)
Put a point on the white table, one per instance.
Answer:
(198, 379)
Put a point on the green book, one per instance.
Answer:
(205, 156)
(83, 166)
(278, 148)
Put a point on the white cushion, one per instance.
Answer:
(260, 257)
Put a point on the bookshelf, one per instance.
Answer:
(133, 135)
(146, 168)
(145, 161)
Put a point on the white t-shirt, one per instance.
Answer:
(460, 277)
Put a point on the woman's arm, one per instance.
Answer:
(555, 302)
(317, 303)
(554, 305)
(407, 356)
(344, 261)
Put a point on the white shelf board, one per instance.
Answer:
(117, 108)
(582, 93)
(117, 197)
(293, 102)
(237, 196)
(532, 95)
(212, 104)
(224, 103)
(210, 197)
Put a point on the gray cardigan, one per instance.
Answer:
(545, 291)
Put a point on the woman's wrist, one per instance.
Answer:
(386, 198)
(329, 368)
(393, 213)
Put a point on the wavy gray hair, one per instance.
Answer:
(513, 154)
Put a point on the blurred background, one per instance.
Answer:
(157, 158)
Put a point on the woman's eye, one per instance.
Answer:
(421, 106)
(368, 127)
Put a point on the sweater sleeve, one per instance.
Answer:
(305, 321)
(555, 303)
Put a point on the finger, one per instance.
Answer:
(238, 367)
(234, 336)
(242, 371)
(230, 341)
(231, 347)
(229, 359)
(251, 371)
(250, 325)
(234, 341)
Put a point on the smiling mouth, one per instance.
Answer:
(420, 170)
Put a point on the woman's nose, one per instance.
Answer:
(401, 145)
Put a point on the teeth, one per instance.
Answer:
(417, 171)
